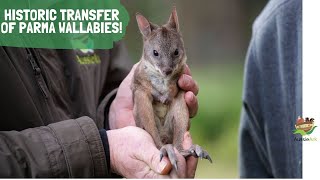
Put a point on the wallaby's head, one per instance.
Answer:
(162, 45)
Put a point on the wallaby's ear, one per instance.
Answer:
(143, 24)
(173, 20)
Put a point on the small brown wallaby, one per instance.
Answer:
(159, 105)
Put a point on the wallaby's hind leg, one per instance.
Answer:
(179, 119)
(144, 117)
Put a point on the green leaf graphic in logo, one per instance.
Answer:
(309, 132)
(302, 132)
(299, 131)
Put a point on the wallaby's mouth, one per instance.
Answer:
(167, 71)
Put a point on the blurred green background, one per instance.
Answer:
(216, 35)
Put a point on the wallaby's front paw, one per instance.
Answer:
(168, 150)
(197, 151)
(165, 99)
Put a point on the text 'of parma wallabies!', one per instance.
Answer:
(159, 105)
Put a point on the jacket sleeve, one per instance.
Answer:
(253, 154)
(272, 98)
(71, 148)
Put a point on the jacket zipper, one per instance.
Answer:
(37, 73)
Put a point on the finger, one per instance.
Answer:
(124, 91)
(151, 156)
(187, 141)
(192, 103)
(181, 164)
(186, 83)
(187, 70)
(164, 167)
(192, 162)
(135, 66)
(126, 120)
(130, 75)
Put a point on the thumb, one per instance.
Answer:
(131, 73)
(151, 157)
(187, 140)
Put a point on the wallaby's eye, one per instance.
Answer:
(176, 52)
(155, 53)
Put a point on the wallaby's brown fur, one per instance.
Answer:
(159, 105)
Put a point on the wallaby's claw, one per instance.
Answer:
(197, 152)
(175, 165)
(202, 153)
(161, 156)
(168, 150)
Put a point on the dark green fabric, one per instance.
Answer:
(41, 92)
(70, 148)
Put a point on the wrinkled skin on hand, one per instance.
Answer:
(134, 155)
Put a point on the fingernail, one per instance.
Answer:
(191, 97)
(187, 135)
(162, 165)
(186, 81)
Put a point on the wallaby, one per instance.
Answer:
(159, 105)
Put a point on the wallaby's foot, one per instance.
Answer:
(168, 150)
(196, 151)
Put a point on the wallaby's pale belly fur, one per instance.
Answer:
(161, 103)
(161, 111)
(160, 93)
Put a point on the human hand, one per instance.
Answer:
(121, 109)
(134, 155)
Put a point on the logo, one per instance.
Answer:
(87, 56)
(304, 126)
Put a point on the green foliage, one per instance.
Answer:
(219, 101)
(215, 127)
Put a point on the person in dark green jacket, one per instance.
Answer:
(63, 114)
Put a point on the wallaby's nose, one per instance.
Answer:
(167, 71)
